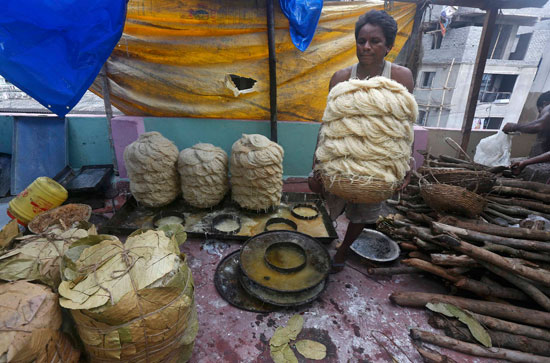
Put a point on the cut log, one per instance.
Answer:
(511, 232)
(529, 204)
(507, 264)
(521, 284)
(514, 328)
(420, 255)
(518, 183)
(419, 218)
(457, 330)
(497, 310)
(453, 260)
(407, 246)
(426, 246)
(494, 220)
(516, 253)
(476, 350)
(393, 270)
(475, 236)
(515, 210)
(522, 192)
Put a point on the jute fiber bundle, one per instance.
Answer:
(38, 257)
(30, 317)
(366, 138)
(203, 171)
(256, 172)
(151, 164)
(131, 302)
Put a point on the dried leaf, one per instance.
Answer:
(311, 349)
(295, 324)
(8, 233)
(477, 330)
(174, 231)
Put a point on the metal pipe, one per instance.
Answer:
(272, 69)
(106, 92)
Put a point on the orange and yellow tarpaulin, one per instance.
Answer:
(175, 58)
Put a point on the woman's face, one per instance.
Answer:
(371, 45)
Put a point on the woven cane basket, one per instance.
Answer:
(452, 199)
(479, 181)
(362, 190)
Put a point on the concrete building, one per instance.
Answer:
(517, 67)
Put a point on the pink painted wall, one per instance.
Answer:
(126, 129)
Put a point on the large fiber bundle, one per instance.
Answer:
(131, 302)
(256, 172)
(38, 257)
(203, 171)
(151, 164)
(366, 136)
(30, 318)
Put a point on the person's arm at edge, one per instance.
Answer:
(518, 166)
(532, 127)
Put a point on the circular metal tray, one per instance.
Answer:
(305, 205)
(253, 264)
(226, 280)
(279, 298)
(224, 217)
(375, 246)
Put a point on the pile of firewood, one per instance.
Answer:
(497, 265)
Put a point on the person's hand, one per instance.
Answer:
(517, 167)
(407, 179)
(509, 127)
(315, 183)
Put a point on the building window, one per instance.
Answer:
(427, 79)
(422, 119)
(487, 123)
(497, 88)
(499, 41)
(437, 38)
(522, 44)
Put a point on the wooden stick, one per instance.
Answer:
(491, 219)
(453, 260)
(419, 218)
(522, 192)
(419, 255)
(481, 254)
(529, 204)
(476, 350)
(431, 356)
(407, 246)
(518, 183)
(507, 218)
(457, 330)
(393, 270)
(486, 290)
(514, 328)
(488, 234)
(497, 310)
(515, 210)
(427, 246)
(464, 283)
(458, 270)
(521, 284)
(516, 253)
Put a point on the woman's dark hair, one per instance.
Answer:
(543, 98)
(383, 20)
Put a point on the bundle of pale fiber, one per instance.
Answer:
(203, 171)
(30, 317)
(151, 164)
(256, 172)
(366, 138)
(131, 302)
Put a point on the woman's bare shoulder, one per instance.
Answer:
(402, 75)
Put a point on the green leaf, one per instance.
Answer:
(478, 331)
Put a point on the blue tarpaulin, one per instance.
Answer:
(303, 16)
(54, 49)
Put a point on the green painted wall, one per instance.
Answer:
(6, 134)
(88, 141)
(298, 139)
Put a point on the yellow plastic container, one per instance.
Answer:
(43, 194)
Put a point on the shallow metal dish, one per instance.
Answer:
(375, 246)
